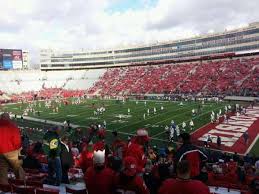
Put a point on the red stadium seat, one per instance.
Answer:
(21, 189)
(5, 188)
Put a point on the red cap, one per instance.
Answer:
(130, 166)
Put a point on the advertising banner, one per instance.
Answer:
(17, 64)
(7, 63)
(17, 55)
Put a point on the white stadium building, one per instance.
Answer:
(235, 41)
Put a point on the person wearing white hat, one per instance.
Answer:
(98, 178)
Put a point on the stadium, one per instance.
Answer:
(147, 103)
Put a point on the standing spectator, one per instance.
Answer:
(183, 184)
(136, 149)
(66, 159)
(191, 153)
(118, 146)
(86, 157)
(53, 149)
(98, 178)
(10, 147)
(128, 181)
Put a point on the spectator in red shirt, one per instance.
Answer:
(136, 149)
(10, 147)
(191, 153)
(86, 157)
(183, 184)
(128, 181)
(98, 178)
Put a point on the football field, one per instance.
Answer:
(124, 117)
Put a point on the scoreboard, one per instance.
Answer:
(10, 59)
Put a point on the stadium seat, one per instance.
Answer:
(74, 191)
(5, 188)
(22, 189)
(46, 191)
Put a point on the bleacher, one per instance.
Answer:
(212, 78)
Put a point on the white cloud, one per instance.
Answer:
(76, 24)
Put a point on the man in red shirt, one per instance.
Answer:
(98, 178)
(10, 147)
(128, 181)
(183, 184)
(189, 152)
(136, 149)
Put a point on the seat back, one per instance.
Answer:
(5, 188)
(21, 189)
(74, 191)
(46, 191)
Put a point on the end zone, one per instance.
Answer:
(231, 133)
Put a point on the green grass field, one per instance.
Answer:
(83, 115)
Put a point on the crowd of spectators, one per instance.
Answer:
(131, 165)
(228, 77)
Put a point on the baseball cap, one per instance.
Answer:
(129, 166)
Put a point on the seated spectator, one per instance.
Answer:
(183, 184)
(10, 147)
(128, 181)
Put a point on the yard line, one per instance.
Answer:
(152, 117)
(185, 121)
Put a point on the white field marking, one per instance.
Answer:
(47, 121)
(182, 122)
(123, 116)
(92, 118)
(252, 144)
(72, 115)
(119, 121)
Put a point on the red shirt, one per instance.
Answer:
(134, 186)
(86, 159)
(10, 137)
(137, 151)
(177, 186)
(99, 182)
